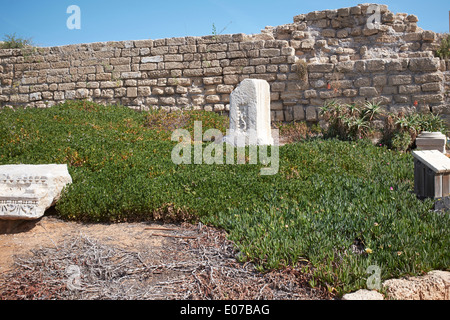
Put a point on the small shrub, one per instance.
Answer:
(401, 141)
(295, 131)
(349, 121)
(301, 69)
(398, 127)
(11, 41)
(444, 50)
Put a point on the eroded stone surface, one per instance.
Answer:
(26, 191)
(363, 295)
(433, 286)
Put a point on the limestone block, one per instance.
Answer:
(429, 98)
(424, 64)
(412, 18)
(132, 92)
(299, 113)
(376, 65)
(308, 44)
(433, 86)
(400, 79)
(363, 294)
(321, 67)
(432, 286)
(368, 91)
(345, 66)
(26, 191)
(429, 77)
(409, 89)
(428, 36)
(311, 114)
(250, 119)
(328, 33)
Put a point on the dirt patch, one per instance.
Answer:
(55, 259)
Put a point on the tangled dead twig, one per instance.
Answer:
(200, 265)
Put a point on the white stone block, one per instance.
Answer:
(26, 191)
(250, 122)
(432, 141)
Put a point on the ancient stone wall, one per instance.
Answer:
(322, 55)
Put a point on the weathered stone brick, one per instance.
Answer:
(321, 67)
(318, 84)
(167, 101)
(231, 79)
(118, 61)
(144, 91)
(362, 82)
(298, 113)
(409, 89)
(350, 92)
(379, 80)
(130, 75)
(429, 98)
(433, 86)
(276, 105)
(193, 72)
(214, 71)
(400, 79)
(278, 86)
(158, 91)
(212, 99)
(343, 33)
(328, 33)
(212, 80)
(173, 58)
(311, 113)
(217, 47)
(308, 44)
(429, 77)
(154, 59)
(225, 88)
(66, 86)
(376, 65)
(270, 52)
(345, 66)
(329, 94)
(310, 94)
(428, 36)
(424, 64)
(148, 67)
(368, 91)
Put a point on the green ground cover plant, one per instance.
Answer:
(328, 196)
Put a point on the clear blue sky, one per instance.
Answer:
(111, 20)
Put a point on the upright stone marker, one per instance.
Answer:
(250, 114)
(26, 191)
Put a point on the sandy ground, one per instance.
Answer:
(165, 262)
